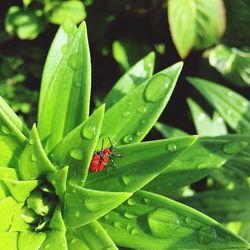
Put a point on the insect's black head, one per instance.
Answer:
(112, 149)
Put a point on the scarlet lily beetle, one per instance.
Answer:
(101, 158)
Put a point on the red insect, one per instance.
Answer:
(102, 157)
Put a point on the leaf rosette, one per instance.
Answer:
(48, 198)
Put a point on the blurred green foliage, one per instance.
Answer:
(212, 37)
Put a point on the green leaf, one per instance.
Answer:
(54, 240)
(18, 224)
(210, 22)
(233, 107)
(149, 221)
(137, 112)
(59, 180)
(127, 51)
(222, 205)
(232, 63)
(57, 222)
(183, 32)
(240, 163)
(141, 163)
(169, 131)
(57, 49)
(77, 147)
(12, 135)
(205, 126)
(20, 190)
(8, 207)
(67, 99)
(26, 3)
(30, 240)
(199, 160)
(8, 240)
(90, 236)
(238, 21)
(58, 11)
(135, 76)
(83, 206)
(6, 173)
(33, 161)
(26, 24)
(197, 24)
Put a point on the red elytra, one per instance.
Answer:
(101, 158)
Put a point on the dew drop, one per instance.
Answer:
(31, 141)
(229, 112)
(131, 202)
(163, 223)
(204, 165)
(229, 93)
(74, 61)
(206, 235)
(107, 217)
(125, 179)
(77, 214)
(47, 246)
(157, 88)
(245, 104)
(129, 215)
(233, 147)
(219, 120)
(129, 227)
(91, 205)
(146, 200)
(88, 132)
(77, 154)
(73, 241)
(118, 224)
(143, 121)
(201, 117)
(134, 231)
(142, 109)
(171, 147)
(33, 158)
(5, 130)
(63, 48)
(128, 139)
(139, 133)
(125, 114)
(68, 26)
(192, 223)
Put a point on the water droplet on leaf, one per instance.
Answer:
(134, 231)
(131, 202)
(157, 88)
(63, 48)
(125, 179)
(77, 154)
(88, 132)
(74, 61)
(5, 130)
(125, 114)
(68, 26)
(233, 147)
(163, 223)
(128, 139)
(171, 147)
(33, 158)
(206, 235)
(142, 109)
(129, 215)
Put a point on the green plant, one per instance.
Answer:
(226, 189)
(48, 199)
